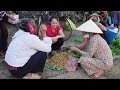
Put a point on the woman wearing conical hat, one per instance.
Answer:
(97, 56)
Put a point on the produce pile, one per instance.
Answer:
(72, 53)
(115, 46)
(58, 61)
(75, 54)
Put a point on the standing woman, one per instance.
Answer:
(0, 41)
(26, 54)
(13, 18)
(55, 32)
(3, 36)
(97, 19)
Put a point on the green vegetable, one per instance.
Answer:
(115, 46)
(75, 54)
(116, 42)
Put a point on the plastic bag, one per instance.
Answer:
(71, 64)
(70, 25)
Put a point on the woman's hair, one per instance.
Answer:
(53, 17)
(23, 24)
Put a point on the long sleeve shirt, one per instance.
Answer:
(23, 46)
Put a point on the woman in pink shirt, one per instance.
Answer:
(55, 32)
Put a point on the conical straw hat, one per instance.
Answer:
(89, 26)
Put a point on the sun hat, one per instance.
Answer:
(89, 26)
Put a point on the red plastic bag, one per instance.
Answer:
(84, 40)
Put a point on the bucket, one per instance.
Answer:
(110, 35)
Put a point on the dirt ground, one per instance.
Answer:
(113, 73)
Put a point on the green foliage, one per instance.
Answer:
(115, 46)
(75, 54)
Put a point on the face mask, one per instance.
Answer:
(98, 20)
(95, 20)
(86, 36)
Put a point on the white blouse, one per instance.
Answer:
(23, 46)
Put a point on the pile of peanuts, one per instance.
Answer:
(58, 60)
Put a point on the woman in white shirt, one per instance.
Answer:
(26, 53)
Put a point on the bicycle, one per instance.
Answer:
(68, 33)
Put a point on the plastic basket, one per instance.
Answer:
(110, 35)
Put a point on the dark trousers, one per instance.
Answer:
(58, 44)
(35, 64)
(0, 40)
(3, 37)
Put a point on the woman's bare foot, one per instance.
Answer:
(32, 76)
(97, 75)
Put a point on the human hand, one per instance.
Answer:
(102, 27)
(39, 34)
(74, 48)
(43, 29)
(72, 45)
(54, 39)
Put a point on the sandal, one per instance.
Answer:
(33, 76)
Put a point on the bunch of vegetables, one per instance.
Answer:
(115, 46)
(72, 53)
(75, 54)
